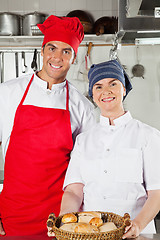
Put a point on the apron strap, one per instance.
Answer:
(26, 91)
(67, 97)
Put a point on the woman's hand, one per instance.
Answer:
(132, 231)
(2, 232)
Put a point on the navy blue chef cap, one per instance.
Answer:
(109, 69)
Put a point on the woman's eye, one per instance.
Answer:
(98, 87)
(113, 84)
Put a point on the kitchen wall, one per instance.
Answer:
(97, 8)
(143, 101)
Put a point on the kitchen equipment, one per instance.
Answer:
(30, 21)
(2, 66)
(16, 64)
(138, 69)
(24, 67)
(85, 18)
(88, 62)
(10, 24)
(34, 62)
(105, 25)
(120, 222)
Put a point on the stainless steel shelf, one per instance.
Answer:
(36, 41)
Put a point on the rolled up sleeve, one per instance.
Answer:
(73, 174)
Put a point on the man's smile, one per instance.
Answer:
(53, 66)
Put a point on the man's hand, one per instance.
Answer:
(50, 232)
(2, 232)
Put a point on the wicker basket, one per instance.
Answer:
(120, 222)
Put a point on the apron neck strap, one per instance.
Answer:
(26, 91)
(67, 97)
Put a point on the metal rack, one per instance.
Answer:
(30, 42)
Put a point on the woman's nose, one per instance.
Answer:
(106, 90)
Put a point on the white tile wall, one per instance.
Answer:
(4, 6)
(62, 5)
(47, 6)
(31, 6)
(78, 4)
(107, 5)
(97, 8)
(94, 5)
(15, 5)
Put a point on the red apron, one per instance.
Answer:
(35, 165)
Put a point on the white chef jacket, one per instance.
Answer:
(11, 92)
(116, 164)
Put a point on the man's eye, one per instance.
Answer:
(51, 48)
(67, 52)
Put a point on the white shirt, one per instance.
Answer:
(11, 92)
(116, 164)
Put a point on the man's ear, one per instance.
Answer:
(74, 59)
(42, 51)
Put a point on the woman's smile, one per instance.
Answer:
(109, 99)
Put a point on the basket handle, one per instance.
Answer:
(127, 220)
(51, 220)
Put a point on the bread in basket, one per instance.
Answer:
(54, 225)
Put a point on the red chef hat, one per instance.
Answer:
(64, 29)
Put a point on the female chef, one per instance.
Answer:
(115, 165)
(42, 115)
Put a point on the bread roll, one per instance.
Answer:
(86, 228)
(96, 221)
(85, 217)
(69, 218)
(108, 226)
(70, 227)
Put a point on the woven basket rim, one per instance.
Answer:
(57, 230)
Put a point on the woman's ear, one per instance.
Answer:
(124, 92)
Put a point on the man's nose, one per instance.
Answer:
(57, 55)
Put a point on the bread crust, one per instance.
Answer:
(86, 228)
(69, 218)
(87, 216)
(96, 221)
(70, 227)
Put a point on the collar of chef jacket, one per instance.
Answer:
(122, 120)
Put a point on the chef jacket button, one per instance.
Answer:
(107, 149)
(105, 171)
(104, 197)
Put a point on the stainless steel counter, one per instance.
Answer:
(41, 237)
(148, 237)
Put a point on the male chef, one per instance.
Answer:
(40, 117)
